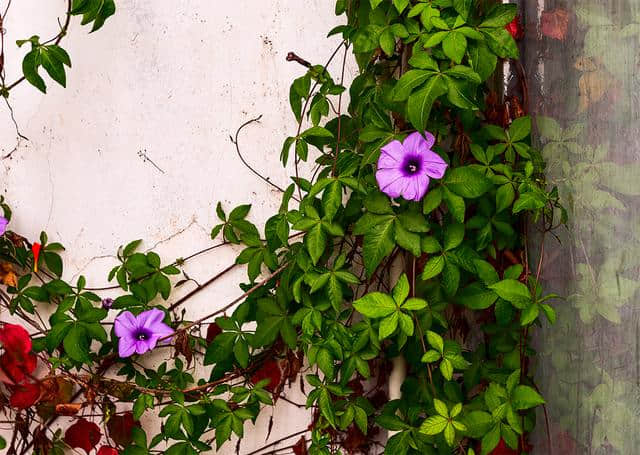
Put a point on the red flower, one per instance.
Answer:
(35, 249)
(106, 450)
(515, 28)
(555, 23)
(25, 395)
(83, 434)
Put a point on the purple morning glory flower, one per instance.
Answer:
(3, 225)
(139, 334)
(404, 168)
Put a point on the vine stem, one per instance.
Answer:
(274, 443)
(55, 40)
(339, 113)
(229, 305)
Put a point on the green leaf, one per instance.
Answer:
(453, 236)
(504, 197)
(454, 46)
(332, 199)
(467, 182)
(375, 305)
(401, 289)
(520, 129)
(388, 325)
(420, 102)
(409, 81)
(315, 241)
(400, 5)
(76, 344)
(500, 16)
(435, 341)
(463, 7)
(512, 291)
(440, 407)
(433, 267)
(434, 425)
(378, 244)
(30, 65)
(407, 240)
(525, 397)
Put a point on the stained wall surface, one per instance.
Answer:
(137, 145)
(582, 60)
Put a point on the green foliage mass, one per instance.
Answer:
(347, 277)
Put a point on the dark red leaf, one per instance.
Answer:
(301, 447)
(15, 371)
(503, 449)
(106, 450)
(269, 370)
(213, 331)
(25, 395)
(83, 434)
(15, 340)
(515, 28)
(120, 426)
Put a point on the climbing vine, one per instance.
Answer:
(408, 241)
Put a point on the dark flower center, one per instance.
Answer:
(412, 166)
(142, 335)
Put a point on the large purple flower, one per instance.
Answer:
(139, 334)
(3, 225)
(404, 168)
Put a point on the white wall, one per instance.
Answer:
(173, 79)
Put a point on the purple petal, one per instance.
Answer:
(416, 187)
(149, 318)
(163, 331)
(391, 155)
(126, 346)
(434, 165)
(125, 324)
(391, 182)
(143, 346)
(415, 142)
(3, 225)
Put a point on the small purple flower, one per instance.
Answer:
(139, 334)
(404, 168)
(3, 225)
(107, 303)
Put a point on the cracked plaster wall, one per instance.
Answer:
(137, 145)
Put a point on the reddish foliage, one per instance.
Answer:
(503, 449)
(269, 370)
(25, 395)
(555, 23)
(355, 441)
(213, 331)
(13, 371)
(83, 434)
(106, 450)
(17, 362)
(300, 448)
(35, 249)
(15, 340)
(120, 427)
(515, 28)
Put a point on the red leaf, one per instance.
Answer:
(503, 449)
(106, 450)
(555, 23)
(120, 427)
(515, 28)
(14, 371)
(24, 396)
(269, 370)
(15, 340)
(83, 434)
(213, 331)
(301, 447)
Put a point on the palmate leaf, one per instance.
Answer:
(420, 102)
(96, 11)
